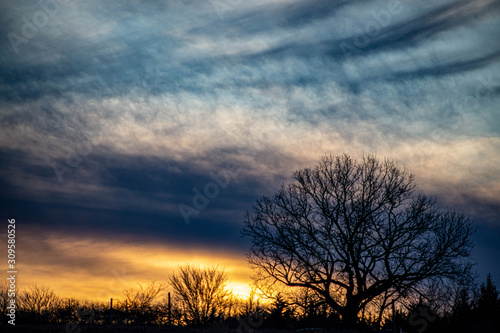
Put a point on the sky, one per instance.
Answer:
(136, 134)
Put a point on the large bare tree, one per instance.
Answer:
(355, 230)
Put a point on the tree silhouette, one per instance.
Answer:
(203, 292)
(4, 299)
(139, 302)
(38, 303)
(251, 305)
(488, 302)
(461, 314)
(353, 230)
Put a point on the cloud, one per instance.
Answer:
(97, 267)
(117, 112)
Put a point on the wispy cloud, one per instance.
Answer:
(114, 112)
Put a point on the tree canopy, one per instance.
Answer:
(354, 231)
(203, 292)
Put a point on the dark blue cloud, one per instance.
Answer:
(140, 195)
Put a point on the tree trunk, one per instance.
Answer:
(349, 315)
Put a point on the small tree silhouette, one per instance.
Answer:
(459, 317)
(488, 303)
(138, 303)
(38, 303)
(4, 299)
(203, 292)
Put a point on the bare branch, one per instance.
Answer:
(352, 231)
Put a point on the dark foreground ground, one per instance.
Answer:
(146, 329)
(73, 328)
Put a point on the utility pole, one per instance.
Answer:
(111, 312)
(169, 311)
(393, 317)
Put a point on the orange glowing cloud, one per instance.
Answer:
(98, 268)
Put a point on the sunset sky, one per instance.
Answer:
(116, 115)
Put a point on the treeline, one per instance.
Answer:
(201, 298)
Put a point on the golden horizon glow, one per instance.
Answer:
(96, 269)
